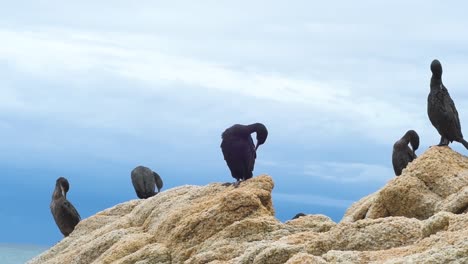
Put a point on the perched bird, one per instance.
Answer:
(298, 215)
(145, 181)
(441, 109)
(65, 215)
(239, 150)
(402, 153)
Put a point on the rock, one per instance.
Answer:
(217, 224)
(434, 182)
(304, 258)
(317, 223)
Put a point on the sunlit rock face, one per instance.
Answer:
(437, 181)
(418, 217)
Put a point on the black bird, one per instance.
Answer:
(402, 154)
(239, 150)
(144, 181)
(298, 215)
(442, 111)
(65, 215)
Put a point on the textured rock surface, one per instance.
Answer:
(436, 181)
(217, 224)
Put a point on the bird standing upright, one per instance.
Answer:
(442, 111)
(239, 150)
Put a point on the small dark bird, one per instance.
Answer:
(442, 111)
(65, 215)
(239, 150)
(402, 153)
(145, 181)
(298, 215)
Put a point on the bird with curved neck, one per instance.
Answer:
(65, 214)
(239, 150)
(402, 153)
(145, 181)
(441, 109)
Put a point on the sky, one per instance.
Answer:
(91, 90)
(14, 254)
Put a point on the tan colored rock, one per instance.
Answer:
(434, 182)
(316, 223)
(304, 258)
(217, 224)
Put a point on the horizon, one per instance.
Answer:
(19, 253)
(90, 95)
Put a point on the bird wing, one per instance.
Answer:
(239, 155)
(401, 158)
(225, 147)
(252, 145)
(252, 155)
(451, 110)
(70, 210)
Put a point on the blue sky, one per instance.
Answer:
(91, 90)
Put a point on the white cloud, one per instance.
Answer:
(76, 55)
(59, 53)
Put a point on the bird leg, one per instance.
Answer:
(237, 183)
(443, 142)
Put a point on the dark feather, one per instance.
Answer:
(239, 150)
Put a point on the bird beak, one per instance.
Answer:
(256, 147)
(63, 191)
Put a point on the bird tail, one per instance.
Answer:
(464, 143)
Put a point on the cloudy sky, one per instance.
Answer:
(91, 90)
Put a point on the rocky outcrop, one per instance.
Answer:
(435, 182)
(218, 224)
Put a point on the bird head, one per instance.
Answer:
(436, 68)
(262, 134)
(413, 139)
(64, 185)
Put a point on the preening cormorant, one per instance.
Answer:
(442, 111)
(239, 150)
(145, 181)
(65, 215)
(402, 153)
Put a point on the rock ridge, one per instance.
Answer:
(418, 217)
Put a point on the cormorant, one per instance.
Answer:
(298, 215)
(144, 181)
(65, 215)
(402, 154)
(239, 150)
(442, 111)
